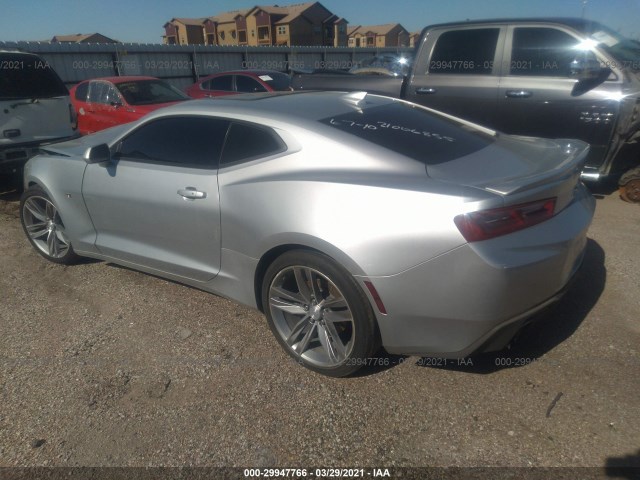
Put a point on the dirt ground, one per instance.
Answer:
(104, 366)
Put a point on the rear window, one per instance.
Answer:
(412, 132)
(223, 83)
(466, 52)
(279, 82)
(28, 77)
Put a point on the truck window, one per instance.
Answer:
(28, 76)
(465, 52)
(543, 52)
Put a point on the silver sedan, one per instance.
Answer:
(352, 221)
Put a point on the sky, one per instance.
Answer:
(141, 21)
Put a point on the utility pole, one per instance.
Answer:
(584, 7)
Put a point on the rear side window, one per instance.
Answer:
(189, 141)
(279, 82)
(248, 85)
(224, 83)
(247, 142)
(28, 77)
(465, 52)
(543, 52)
(412, 131)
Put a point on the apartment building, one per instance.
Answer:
(389, 35)
(184, 31)
(299, 24)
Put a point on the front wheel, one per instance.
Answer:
(44, 228)
(319, 314)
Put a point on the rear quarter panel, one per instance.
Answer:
(374, 215)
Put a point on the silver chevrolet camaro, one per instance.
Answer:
(352, 221)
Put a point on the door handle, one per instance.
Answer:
(190, 193)
(425, 91)
(518, 94)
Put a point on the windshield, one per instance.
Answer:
(623, 49)
(148, 92)
(28, 77)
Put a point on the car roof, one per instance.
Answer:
(253, 73)
(283, 106)
(130, 78)
(580, 24)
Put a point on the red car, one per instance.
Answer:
(106, 102)
(241, 81)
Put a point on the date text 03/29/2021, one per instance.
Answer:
(316, 473)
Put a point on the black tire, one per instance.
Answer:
(338, 319)
(44, 228)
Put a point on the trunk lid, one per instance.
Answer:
(519, 169)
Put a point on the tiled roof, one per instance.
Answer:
(190, 21)
(375, 29)
(227, 17)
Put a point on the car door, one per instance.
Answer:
(457, 72)
(156, 204)
(80, 99)
(102, 106)
(539, 97)
(95, 112)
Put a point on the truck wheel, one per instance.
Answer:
(630, 186)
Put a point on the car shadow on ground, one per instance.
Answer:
(604, 188)
(624, 467)
(9, 196)
(547, 330)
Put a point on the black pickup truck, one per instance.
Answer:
(554, 78)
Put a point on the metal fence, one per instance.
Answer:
(182, 65)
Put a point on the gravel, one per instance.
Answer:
(105, 366)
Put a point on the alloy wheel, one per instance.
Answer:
(312, 316)
(44, 227)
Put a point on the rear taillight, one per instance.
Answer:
(73, 117)
(486, 224)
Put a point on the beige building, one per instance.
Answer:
(227, 28)
(389, 35)
(184, 31)
(300, 24)
(414, 38)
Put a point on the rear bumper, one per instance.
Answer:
(478, 296)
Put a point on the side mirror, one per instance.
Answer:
(584, 70)
(98, 154)
(116, 104)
